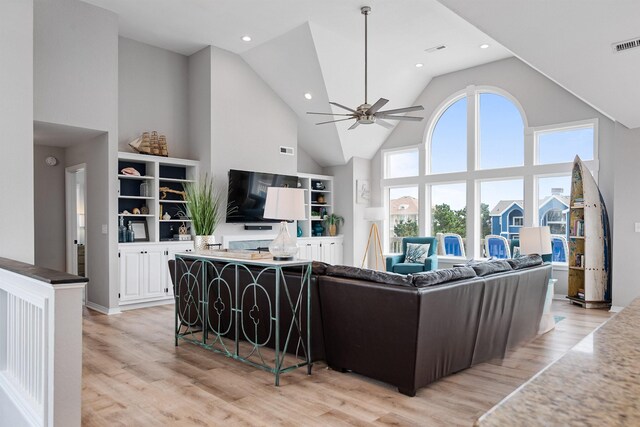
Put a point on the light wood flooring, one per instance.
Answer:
(134, 376)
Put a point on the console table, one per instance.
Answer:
(222, 301)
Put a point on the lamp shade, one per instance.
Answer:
(284, 203)
(535, 240)
(374, 213)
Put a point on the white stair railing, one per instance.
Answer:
(40, 350)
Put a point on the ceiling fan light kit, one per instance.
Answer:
(366, 114)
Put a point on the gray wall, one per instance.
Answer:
(16, 124)
(50, 208)
(153, 95)
(76, 84)
(247, 121)
(544, 103)
(626, 241)
(306, 164)
(355, 228)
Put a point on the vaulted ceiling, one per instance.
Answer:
(301, 46)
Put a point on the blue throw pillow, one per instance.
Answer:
(417, 252)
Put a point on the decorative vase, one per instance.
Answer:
(318, 229)
(201, 243)
(333, 229)
(299, 231)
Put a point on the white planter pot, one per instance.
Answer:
(201, 243)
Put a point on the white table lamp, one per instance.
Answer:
(374, 214)
(535, 240)
(286, 204)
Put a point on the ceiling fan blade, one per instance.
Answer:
(383, 123)
(375, 107)
(343, 107)
(408, 118)
(330, 114)
(353, 126)
(403, 110)
(333, 121)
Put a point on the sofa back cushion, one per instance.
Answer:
(484, 268)
(437, 277)
(525, 261)
(370, 275)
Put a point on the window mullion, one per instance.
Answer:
(473, 212)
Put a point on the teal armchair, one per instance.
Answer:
(397, 264)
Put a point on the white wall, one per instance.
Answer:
(76, 84)
(153, 95)
(49, 206)
(16, 124)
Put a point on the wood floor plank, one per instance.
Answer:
(134, 375)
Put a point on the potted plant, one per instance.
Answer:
(205, 206)
(333, 221)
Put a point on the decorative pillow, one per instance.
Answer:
(436, 277)
(525, 261)
(319, 268)
(370, 275)
(491, 267)
(417, 252)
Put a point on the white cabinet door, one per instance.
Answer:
(303, 250)
(131, 277)
(326, 252)
(338, 253)
(155, 268)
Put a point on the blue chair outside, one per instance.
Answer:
(453, 245)
(397, 264)
(559, 248)
(497, 246)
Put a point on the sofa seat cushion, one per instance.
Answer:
(525, 261)
(437, 277)
(484, 268)
(370, 275)
(408, 267)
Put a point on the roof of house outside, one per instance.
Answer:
(405, 205)
(504, 205)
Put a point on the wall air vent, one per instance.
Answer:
(287, 151)
(435, 48)
(626, 45)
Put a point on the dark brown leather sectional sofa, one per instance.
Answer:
(410, 336)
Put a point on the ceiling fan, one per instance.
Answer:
(366, 114)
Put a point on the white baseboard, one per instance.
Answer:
(101, 309)
(146, 304)
(560, 297)
(615, 309)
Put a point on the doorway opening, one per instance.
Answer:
(75, 194)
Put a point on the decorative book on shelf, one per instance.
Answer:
(589, 242)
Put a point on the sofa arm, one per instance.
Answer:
(393, 260)
(431, 263)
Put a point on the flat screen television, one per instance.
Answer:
(248, 192)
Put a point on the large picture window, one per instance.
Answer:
(486, 174)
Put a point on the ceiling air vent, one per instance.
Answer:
(435, 48)
(626, 45)
(287, 151)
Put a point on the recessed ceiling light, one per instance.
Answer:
(419, 65)
(484, 46)
(246, 38)
(308, 95)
